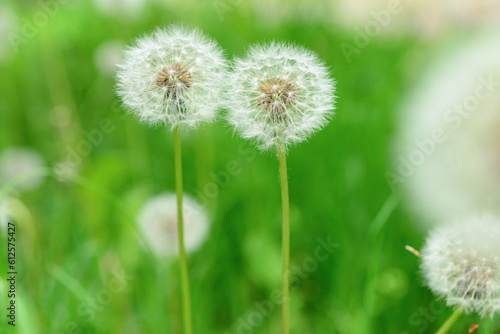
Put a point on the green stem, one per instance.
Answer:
(285, 285)
(450, 322)
(487, 326)
(186, 298)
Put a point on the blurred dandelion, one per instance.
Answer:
(424, 18)
(108, 56)
(124, 9)
(21, 164)
(279, 95)
(174, 76)
(9, 24)
(158, 222)
(461, 264)
(448, 146)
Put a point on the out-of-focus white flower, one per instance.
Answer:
(461, 263)
(9, 23)
(175, 75)
(124, 9)
(279, 93)
(474, 13)
(158, 223)
(449, 141)
(5, 213)
(108, 55)
(424, 18)
(21, 163)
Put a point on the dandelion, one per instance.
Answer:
(174, 76)
(426, 18)
(279, 95)
(158, 223)
(22, 165)
(449, 144)
(461, 264)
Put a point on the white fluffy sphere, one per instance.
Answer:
(449, 142)
(279, 93)
(461, 263)
(22, 164)
(158, 223)
(174, 76)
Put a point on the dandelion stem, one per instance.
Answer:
(487, 326)
(285, 297)
(186, 298)
(450, 322)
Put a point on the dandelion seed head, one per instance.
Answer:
(461, 263)
(449, 143)
(174, 76)
(21, 163)
(158, 223)
(279, 93)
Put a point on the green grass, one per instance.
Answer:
(82, 232)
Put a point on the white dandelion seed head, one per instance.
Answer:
(461, 263)
(174, 76)
(279, 93)
(449, 142)
(158, 223)
(108, 55)
(21, 163)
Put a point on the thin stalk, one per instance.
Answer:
(186, 298)
(487, 326)
(450, 322)
(285, 252)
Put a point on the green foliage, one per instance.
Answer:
(83, 233)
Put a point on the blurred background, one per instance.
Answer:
(76, 169)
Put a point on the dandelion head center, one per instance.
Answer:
(474, 278)
(176, 79)
(276, 95)
(169, 225)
